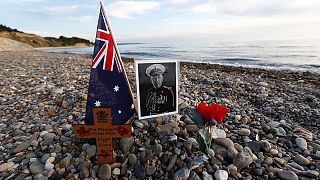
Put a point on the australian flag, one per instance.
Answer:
(108, 87)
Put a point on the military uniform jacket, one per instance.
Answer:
(160, 100)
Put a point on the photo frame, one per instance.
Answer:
(157, 87)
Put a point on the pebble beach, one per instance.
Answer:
(270, 132)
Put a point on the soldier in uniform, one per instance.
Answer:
(160, 98)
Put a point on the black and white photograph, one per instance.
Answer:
(157, 87)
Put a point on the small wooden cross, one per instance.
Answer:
(103, 131)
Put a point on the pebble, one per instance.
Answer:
(157, 149)
(301, 143)
(104, 172)
(221, 175)
(5, 167)
(244, 132)
(151, 168)
(139, 171)
(244, 158)
(65, 162)
(287, 175)
(274, 152)
(138, 124)
(279, 161)
(265, 145)
(170, 128)
(209, 168)
(116, 171)
(36, 168)
(268, 161)
(21, 147)
(188, 121)
(193, 176)
(210, 153)
(192, 128)
(218, 133)
(265, 84)
(84, 170)
(301, 160)
(48, 166)
(295, 165)
(177, 151)
(91, 150)
(132, 159)
(273, 124)
(206, 176)
(232, 168)
(172, 162)
(182, 174)
(232, 152)
(219, 150)
(224, 142)
(164, 158)
(48, 138)
(255, 146)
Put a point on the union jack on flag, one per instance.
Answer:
(107, 52)
(108, 87)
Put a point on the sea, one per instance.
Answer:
(292, 55)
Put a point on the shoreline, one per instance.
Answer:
(287, 69)
(58, 47)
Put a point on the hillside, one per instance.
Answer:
(12, 45)
(38, 41)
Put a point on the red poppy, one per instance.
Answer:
(215, 111)
(82, 131)
(122, 130)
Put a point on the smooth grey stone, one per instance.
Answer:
(287, 175)
(48, 138)
(36, 168)
(301, 160)
(91, 150)
(224, 142)
(23, 146)
(132, 158)
(301, 143)
(105, 172)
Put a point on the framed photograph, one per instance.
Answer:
(157, 87)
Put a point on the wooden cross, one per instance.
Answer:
(103, 131)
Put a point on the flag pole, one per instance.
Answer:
(118, 53)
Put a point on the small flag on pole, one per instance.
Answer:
(108, 85)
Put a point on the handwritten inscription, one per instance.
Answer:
(103, 131)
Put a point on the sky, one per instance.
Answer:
(168, 20)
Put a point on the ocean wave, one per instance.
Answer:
(143, 54)
(124, 44)
(238, 59)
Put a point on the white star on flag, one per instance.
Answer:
(132, 106)
(119, 111)
(116, 88)
(97, 103)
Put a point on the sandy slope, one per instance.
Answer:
(11, 45)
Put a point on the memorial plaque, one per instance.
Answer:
(103, 131)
